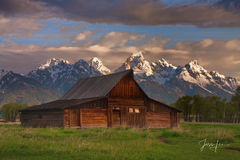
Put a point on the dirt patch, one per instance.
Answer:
(233, 148)
(5, 122)
(163, 140)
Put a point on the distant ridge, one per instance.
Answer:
(161, 80)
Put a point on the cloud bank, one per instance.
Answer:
(114, 47)
(128, 12)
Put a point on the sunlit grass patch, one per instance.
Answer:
(23, 143)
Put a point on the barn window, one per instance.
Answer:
(130, 110)
(116, 108)
(133, 110)
(136, 110)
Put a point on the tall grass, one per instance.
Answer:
(22, 143)
(220, 134)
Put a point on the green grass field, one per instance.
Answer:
(22, 143)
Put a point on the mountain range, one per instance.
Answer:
(18, 88)
(160, 80)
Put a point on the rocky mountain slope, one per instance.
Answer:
(17, 88)
(160, 77)
(3, 72)
(60, 75)
(161, 80)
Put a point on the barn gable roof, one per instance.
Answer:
(88, 90)
(95, 86)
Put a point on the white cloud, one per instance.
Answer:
(63, 49)
(19, 27)
(82, 36)
(113, 48)
(98, 49)
(119, 39)
(233, 45)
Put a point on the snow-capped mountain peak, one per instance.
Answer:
(163, 63)
(194, 73)
(53, 62)
(194, 67)
(137, 61)
(53, 70)
(216, 74)
(98, 65)
(161, 80)
(60, 75)
(163, 71)
(3, 72)
(137, 54)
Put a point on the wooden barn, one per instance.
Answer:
(106, 101)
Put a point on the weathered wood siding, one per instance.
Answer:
(126, 88)
(160, 116)
(93, 117)
(88, 115)
(126, 94)
(116, 118)
(85, 117)
(158, 120)
(71, 118)
(42, 118)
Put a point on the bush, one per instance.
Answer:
(10, 111)
(170, 133)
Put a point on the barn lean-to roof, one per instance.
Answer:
(87, 90)
(61, 104)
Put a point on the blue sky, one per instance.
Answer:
(178, 30)
(178, 33)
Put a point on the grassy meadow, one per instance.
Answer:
(23, 143)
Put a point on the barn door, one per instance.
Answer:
(135, 117)
(74, 117)
(173, 117)
(116, 117)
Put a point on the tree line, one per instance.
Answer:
(10, 111)
(210, 109)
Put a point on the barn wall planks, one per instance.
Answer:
(126, 94)
(133, 120)
(153, 106)
(114, 101)
(66, 117)
(126, 87)
(160, 116)
(88, 115)
(93, 117)
(116, 120)
(43, 118)
(158, 120)
(71, 117)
